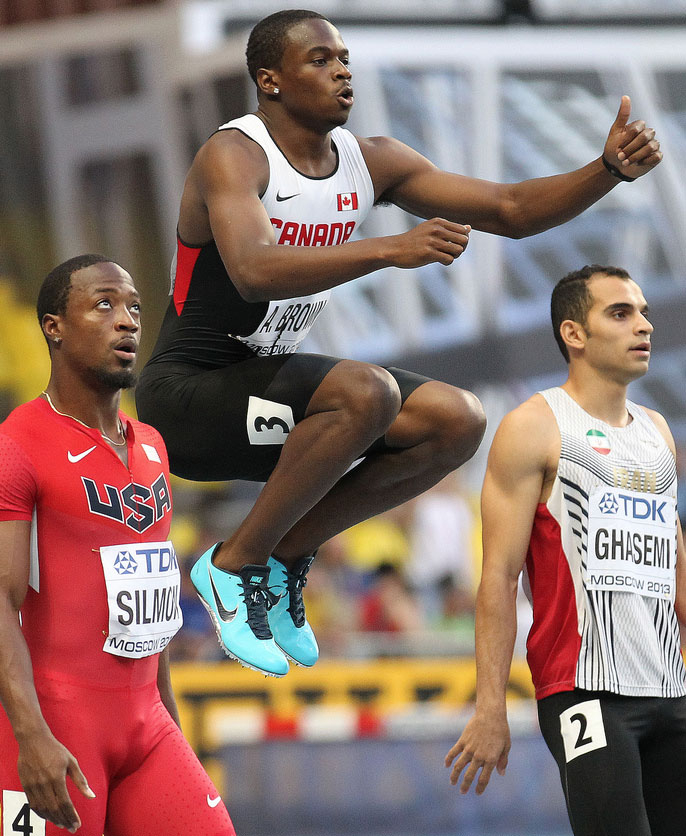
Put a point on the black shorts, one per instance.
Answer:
(622, 761)
(231, 422)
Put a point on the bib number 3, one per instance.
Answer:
(268, 422)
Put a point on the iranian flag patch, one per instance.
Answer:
(347, 201)
(598, 441)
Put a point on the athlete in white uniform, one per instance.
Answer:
(305, 212)
(610, 521)
(264, 229)
(587, 482)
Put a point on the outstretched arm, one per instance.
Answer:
(518, 465)
(43, 762)
(515, 210)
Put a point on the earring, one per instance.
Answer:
(276, 91)
(57, 340)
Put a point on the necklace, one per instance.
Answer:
(83, 424)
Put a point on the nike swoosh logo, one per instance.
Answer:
(275, 597)
(212, 802)
(223, 613)
(286, 197)
(77, 458)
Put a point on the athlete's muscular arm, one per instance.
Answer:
(680, 600)
(43, 762)
(164, 686)
(221, 200)
(519, 472)
(517, 209)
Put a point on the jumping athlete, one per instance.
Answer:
(265, 229)
(586, 480)
(89, 589)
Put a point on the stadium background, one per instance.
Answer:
(104, 103)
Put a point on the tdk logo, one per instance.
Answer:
(146, 560)
(125, 563)
(608, 504)
(634, 507)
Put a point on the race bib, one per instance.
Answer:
(18, 817)
(631, 542)
(268, 422)
(143, 586)
(285, 324)
(582, 729)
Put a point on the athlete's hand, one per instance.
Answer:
(43, 766)
(483, 745)
(432, 241)
(630, 146)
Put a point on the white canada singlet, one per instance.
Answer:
(601, 568)
(305, 212)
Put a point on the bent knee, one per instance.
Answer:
(471, 417)
(457, 422)
(373, 394)
(366, 393)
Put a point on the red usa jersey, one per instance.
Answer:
(79, 496)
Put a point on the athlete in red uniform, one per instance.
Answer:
(89, 590)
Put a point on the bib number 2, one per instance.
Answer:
(582, 729)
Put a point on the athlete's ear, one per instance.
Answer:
(573, 334)
(51, 327)
(267, 81)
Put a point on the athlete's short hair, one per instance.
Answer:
(267, 41)
(572, 299)
(54, 292)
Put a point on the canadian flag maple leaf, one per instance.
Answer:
(347, 201)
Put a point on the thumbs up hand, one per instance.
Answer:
(630, 146)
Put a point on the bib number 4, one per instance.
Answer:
(18, 818)
(22, 822)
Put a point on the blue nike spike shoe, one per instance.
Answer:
(287, 619)
(238, 604)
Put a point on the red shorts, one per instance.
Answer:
(146, 778)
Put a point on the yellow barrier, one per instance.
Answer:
(383, 686)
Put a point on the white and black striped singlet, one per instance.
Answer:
(601, 566)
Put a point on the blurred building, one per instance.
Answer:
(103, 111)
